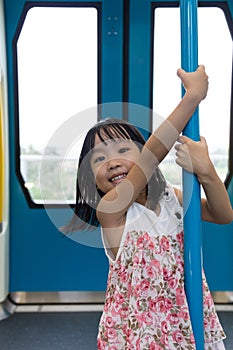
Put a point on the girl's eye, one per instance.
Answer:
(123, 150)
(99, 159)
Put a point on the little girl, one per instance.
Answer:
(120, 187)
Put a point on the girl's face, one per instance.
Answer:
(111, 161)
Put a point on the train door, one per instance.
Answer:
(80, 49)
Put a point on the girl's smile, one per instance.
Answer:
(118, 178)
(112, 160)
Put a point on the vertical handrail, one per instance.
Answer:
(191, 187)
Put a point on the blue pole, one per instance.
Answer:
(191, 187)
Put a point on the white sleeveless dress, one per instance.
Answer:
(146, 305)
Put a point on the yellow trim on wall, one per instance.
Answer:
(1, 156)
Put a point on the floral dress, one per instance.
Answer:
(146, 305)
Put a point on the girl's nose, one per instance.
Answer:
(113, 164)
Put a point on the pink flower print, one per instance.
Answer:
(107, 304)
(119, 298)
(149, 243)
(124, 328)
(115, 310)
(160, 304)
(212, 322)
(139, 318)
(172, 282)
(140, 242)
(123, 277)
(180, 239)
(177, 336)
(164, 339)
(164, 327)
(166, 274)
(129, 290)
(151, 272)
(118, 308)
(136, 290)
(154, 346)
(140, 306)
(164, 243)
(147, 318)
(151, 246)
(146, 236)
(192, 339)
(208, 300)
(101, 345)
(152, 305)
(180, 300)
(173, 318)
(136, 260)
(123, 312)
(169, 277)
(145, 285)
(155, 263)
(111, 334)
(109, 322)
(138, 344)
(180, 264)
(205, 322)
(180, 296)
(183, 314)
(129, 335)
(143, 263)
(168, 304)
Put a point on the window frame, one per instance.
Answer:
(26, 9)
(229, 19)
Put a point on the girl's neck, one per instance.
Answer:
(142, 198)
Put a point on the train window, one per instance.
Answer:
(57, 52)
(215, 52)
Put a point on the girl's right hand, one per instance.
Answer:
(193, 156)
(195, 83)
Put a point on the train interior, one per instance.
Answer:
(64, 65)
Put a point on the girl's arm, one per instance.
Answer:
(194, 157)
(113, 206)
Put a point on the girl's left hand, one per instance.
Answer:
(193, 156)
(195, 83)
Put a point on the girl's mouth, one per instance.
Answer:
(118, 178)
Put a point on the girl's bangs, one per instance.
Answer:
(112, 132)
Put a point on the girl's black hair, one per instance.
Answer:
(87, 196)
